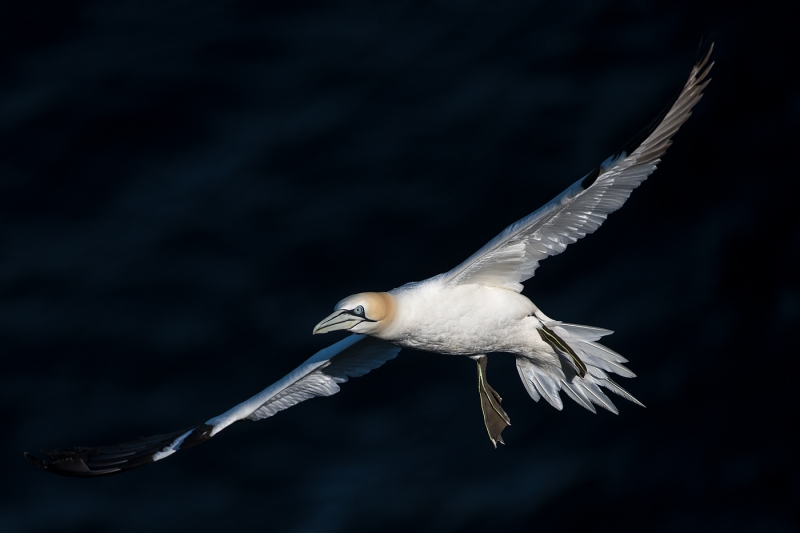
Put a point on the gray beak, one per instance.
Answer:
(340, 319)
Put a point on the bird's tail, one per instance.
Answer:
(585, 365)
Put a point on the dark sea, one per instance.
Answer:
(187, 188)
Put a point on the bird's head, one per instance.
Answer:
(367, 313)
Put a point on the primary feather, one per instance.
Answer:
(513, 256)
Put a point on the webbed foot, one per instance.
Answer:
(495, 419)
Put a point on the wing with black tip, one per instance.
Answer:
(513, 256)
(320, 375)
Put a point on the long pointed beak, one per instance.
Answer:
(337, 320)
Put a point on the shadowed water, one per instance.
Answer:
(186, 189)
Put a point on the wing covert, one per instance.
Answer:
(354, 356)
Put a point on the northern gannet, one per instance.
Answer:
(473, 310)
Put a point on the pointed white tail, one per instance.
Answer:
(543, 382)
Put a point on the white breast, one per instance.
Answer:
(460, 320)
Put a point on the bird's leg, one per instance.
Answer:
(495, 419)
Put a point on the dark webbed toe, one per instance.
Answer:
(494, 417)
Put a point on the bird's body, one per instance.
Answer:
(461, 319)
(473, 310)
(476, 319)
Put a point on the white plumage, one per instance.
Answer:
(473, 310)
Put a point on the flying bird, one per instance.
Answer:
(473, 310)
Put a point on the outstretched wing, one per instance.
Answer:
(320, 375)
(513, 256)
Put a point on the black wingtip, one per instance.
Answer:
(702, 67)
(69, 462)
(106, 460)
(198, 435)
(35, 460)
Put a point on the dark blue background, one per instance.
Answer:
(186, 188)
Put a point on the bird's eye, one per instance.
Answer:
(359, 310)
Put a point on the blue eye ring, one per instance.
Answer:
(359, 310)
